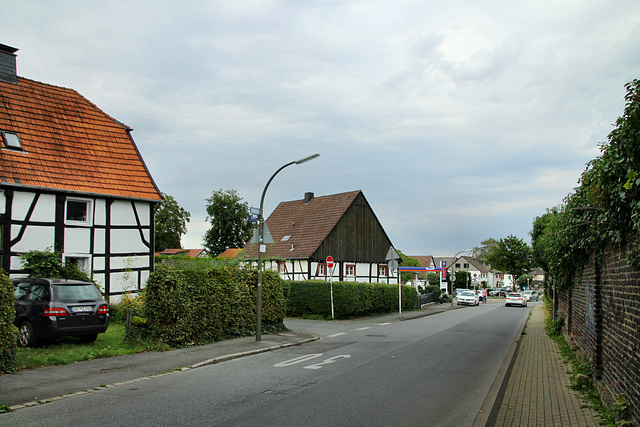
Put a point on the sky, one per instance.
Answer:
(458, 120)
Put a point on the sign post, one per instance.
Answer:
(330, 264)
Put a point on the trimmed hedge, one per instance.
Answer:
(350, 299)
(195, 307)
(8, 332)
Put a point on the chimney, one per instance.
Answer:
(307, 198)
(8, 64)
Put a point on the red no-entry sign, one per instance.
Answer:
(329, 261)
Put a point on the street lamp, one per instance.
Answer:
(262, 247)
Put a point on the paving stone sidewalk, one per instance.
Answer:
(538, 392)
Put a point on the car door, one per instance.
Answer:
(31, 299)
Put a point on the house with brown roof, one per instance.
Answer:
(343, 226)
(72, 180)
(191, 253)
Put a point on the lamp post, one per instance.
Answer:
(262, 247)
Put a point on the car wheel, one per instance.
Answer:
(88, 338)
(506, 305)
(26, 337)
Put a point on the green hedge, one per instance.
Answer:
(350, 299)
(8, 332)
(195, 307)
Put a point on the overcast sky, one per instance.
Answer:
(459, 120)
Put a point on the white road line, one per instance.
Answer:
(336, 335)
(384, 324)
(362, 329)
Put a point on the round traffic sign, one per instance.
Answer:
(329, 261)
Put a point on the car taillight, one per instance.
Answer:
(103, 310)
(55, 311)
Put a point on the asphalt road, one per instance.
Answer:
(435, 370)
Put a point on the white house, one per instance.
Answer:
(72, 180)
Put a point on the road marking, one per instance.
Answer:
(297, 360)
(328, 361)
(384, 324)
(336, 335)
(362, 329)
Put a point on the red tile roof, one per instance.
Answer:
(69, 144)
(306, 224)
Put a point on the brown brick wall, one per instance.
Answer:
(602, 310)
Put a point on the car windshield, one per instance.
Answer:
(77, 292)
(468, 294)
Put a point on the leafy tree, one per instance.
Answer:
(485, 250)
(512, 255)
(407, 261)
(604, 210)
(229, 218)
(170, 223)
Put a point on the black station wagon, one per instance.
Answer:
(49, 308)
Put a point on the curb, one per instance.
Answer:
(212, 361)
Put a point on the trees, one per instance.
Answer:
(604, 210)
(171, 223)
(512, 255)
(229, 218)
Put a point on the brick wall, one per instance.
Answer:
(602, 310)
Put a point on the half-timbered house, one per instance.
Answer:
(72, 180)
(342, 226)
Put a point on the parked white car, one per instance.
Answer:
(516, 298)
(531, 295)
(468, 298)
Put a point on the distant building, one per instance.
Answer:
(191, 253)
(343, 226)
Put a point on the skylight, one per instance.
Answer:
(11, 140)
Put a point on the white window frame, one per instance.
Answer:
(383, 270)
(84, 261)
(322, 269)
(350, 270)
(89, 204)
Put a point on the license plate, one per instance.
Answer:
(82, 309)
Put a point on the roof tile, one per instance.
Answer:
(69, 143)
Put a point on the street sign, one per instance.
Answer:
(329, 262)
(393, 265)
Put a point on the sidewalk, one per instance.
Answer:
(537, 392)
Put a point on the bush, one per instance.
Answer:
(194, 307)
(350, 299)
(8, 332)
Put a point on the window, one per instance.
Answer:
(282, 267)
(78, 211)
(350, 269)
(382, 270)
(11, 140)
(83, 262)
(457, 265)
(322, 270)
(466, 265)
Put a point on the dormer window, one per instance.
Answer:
(11, 140)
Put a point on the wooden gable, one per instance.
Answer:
(358, 236)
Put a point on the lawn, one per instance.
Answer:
(69, 350)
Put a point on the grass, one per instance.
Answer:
(69, 350)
